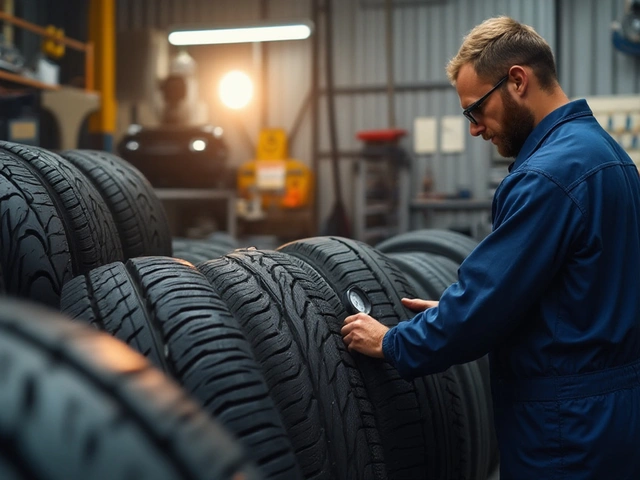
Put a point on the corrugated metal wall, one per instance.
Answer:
(588, 63)
(426, 34)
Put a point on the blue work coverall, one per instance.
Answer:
(553, 294)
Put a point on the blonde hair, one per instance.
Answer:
(499, 43)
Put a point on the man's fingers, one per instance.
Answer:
(357, 316)
(350, 318)
(349, 331)
(347, 328)
(363, 334)
(418, 304)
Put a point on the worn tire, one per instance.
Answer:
(78, 404)
(168, 311)
(423, 271)
(89, 226)
(326, 419)
(403, 416)
(139, 216)
(35, 256)
(466, 386)
(453, 245)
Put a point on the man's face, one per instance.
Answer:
(517, 125)
(500, 118)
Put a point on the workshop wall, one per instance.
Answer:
(587, 61)
(426, 34)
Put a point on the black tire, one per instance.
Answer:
(482, 365)
(89, 226)
(140, 218)
(35, 257)
(420, 273)
(77, 404)
(168, 311)
(323, 332)
(434, 273)
(463, 411)
(319, 394)
(447, 267)
(453, 245)
(198, 251)
(403, 416)
(478, 396)
(466, 386)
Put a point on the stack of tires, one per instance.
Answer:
(76, 403)
(239, 343)
(63, 215)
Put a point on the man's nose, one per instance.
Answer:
(476, 129)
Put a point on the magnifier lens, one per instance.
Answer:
(357, 301)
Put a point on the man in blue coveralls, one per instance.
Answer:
(553, 292)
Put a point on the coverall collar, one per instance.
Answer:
(575, 109)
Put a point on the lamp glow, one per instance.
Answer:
(198, 145)
(132, 145)
(236, 89)
(267, 33)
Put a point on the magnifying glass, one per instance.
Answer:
(357, 301)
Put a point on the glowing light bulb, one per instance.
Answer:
(236, 89)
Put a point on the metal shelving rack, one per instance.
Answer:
(381, 192)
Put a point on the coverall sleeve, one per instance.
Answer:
(535, 222)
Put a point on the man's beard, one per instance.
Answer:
(518, 123)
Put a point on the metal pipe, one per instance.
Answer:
(400, 3)
(264, 71)
(8, 28)
(306, 104)
(244, 134)
(558, 33)
(391, 104)
(315, 100)
(343, 154)
(18, 22)
(102, 33)
(406, 87)
(331, 106)
(87, 48)
(89, 70)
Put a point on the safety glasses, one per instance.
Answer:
(467, 112)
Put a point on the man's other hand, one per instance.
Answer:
(419, 305)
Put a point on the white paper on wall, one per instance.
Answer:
(453, 133)
(425, 139)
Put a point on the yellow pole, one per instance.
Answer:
(8, 28)
(102, 34)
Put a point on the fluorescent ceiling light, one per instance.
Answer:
(264, 33)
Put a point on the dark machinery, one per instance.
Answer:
(175, 154)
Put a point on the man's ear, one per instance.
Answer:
(519, 77)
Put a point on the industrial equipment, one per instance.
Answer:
(273, 181)
(179, 156)
(177, 153)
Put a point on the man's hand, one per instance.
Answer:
(364, 334)
(418, 305)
